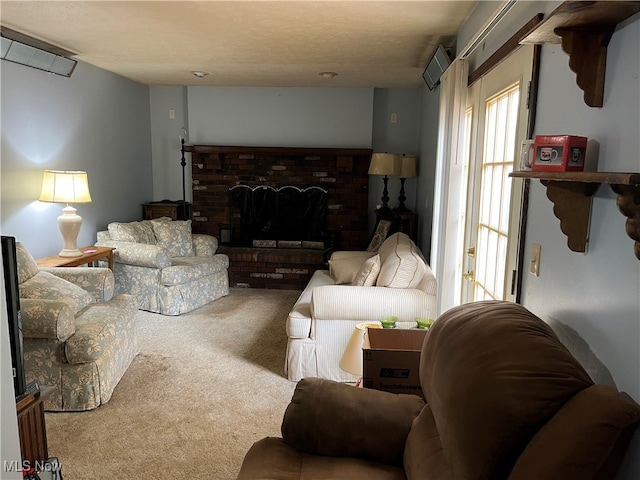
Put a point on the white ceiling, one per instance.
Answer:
(248, 43)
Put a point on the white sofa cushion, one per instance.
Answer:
(401, 264)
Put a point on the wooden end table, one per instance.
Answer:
(89, 255)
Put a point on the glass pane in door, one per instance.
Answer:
(495, 192)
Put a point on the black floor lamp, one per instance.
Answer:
(183, 163)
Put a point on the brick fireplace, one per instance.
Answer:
(341, 173)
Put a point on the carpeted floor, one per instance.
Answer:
(205, 386)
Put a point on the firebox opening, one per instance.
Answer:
(285, 217)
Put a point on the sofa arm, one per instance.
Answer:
(43, 318)
(98, 281)
(204, 245)
(336, 419)
(342, 302)
(140, 254)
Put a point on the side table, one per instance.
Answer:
(31, 427)
(89, 255)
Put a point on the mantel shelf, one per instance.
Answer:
(584, 30)
(571, 194)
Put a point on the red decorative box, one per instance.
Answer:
(559, 153)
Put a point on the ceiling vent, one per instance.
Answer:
(31, 52)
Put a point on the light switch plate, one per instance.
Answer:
(534, 268)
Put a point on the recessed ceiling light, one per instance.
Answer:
(199, 74)
(328, 74)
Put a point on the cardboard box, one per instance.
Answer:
(391, 360)
(559, 153)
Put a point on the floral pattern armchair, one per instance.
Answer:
(78, 337)
(167, 268)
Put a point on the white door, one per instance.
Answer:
(496, 124)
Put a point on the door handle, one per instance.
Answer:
(469, 276)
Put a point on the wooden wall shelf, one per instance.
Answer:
(571, 194)
(584, 30)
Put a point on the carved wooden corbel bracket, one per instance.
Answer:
(587, 50)
(584, 30)
(572, 206)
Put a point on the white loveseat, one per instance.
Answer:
(359, 287)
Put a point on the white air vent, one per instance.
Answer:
(21, 49)
(438, 63)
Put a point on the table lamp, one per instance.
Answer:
(384, 164)
(351, 360)
(60, 186)
(408, 169)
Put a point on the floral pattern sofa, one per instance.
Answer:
(164, 266)
(78, 337)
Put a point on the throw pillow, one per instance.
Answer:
(344, 270)
(368, 273)
(137, 232)
(27, 266)
(382, 231)
(175, 237)
(402, 265)
(45, 285)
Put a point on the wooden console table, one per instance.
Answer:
(89, 255)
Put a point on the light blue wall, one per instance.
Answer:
(291, 117)
(400, 137)
(165, 142)
(95, 121)
(430, 109)
(592, 299)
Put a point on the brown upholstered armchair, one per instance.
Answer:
(506, 400)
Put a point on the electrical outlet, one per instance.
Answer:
(394, 118)
(172, 114)
(534, 268)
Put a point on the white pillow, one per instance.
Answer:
(402, 265)
(344, 270)
(368, 273)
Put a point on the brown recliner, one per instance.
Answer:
(506, 400)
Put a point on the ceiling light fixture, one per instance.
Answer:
(328, 74)
(199, 74)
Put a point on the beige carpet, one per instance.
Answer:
(205, 386)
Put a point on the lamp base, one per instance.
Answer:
(70, 253)
(69, 224)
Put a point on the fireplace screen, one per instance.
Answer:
(286, 216)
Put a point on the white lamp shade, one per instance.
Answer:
(351, 360)
(384, 164)
(65, 187)
(408, 166)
